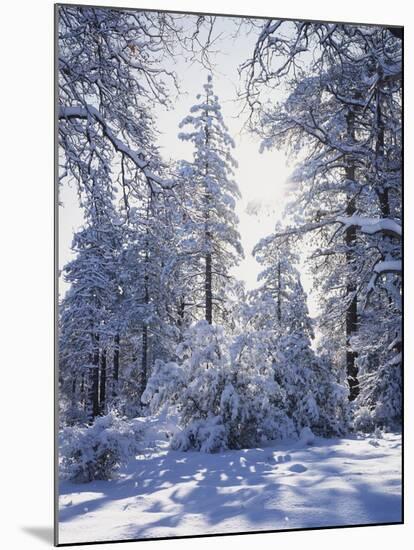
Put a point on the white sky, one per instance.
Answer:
(261, 176)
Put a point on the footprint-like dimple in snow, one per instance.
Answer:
(298, 468)
(283, 458)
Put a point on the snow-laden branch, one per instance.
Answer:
(371, 226)
(87, 112)
(382, 268)
(388, 266)
(368, 226)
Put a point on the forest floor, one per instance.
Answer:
(163, 493)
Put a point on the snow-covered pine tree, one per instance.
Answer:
(212, 243)
(279, 313)
(86, 311)
(379, 345)
(150, 329)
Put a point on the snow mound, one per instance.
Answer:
(306, 436)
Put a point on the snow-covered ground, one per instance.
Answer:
(355, 480)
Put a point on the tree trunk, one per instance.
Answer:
(351, 321)
(279, 298)
(75, 399)
(380, 160)
(181, 312)
(94, 380)
(351, 325)
(115, 371)
(102, 386)
(144, 361)
(83, 397)
(207, 235)
(208, 290)
(144, 357)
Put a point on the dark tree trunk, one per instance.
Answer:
(209, 272)
(74, 387)
(380, 160)
(102, 383)
(144, 361)
(144, 357)
(82, 396)
(384, 202)
(351, 321)
(94, 380)
(180, 318)
(181, 312)
(74, 399)
(279, 297)
(208, 290)
(115, 371)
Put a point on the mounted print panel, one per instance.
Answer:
(229, 274)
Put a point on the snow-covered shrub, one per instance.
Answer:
(164, 385)
(294, 366)
(97, 451)
(379, 403)
(253, 406)
(278, 311)
(311, 396)
(237, 391)
(208, 436)
(332, 401)
(196, 387)
(224, 390)
(363, 420)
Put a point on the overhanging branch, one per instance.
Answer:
(87, 112)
